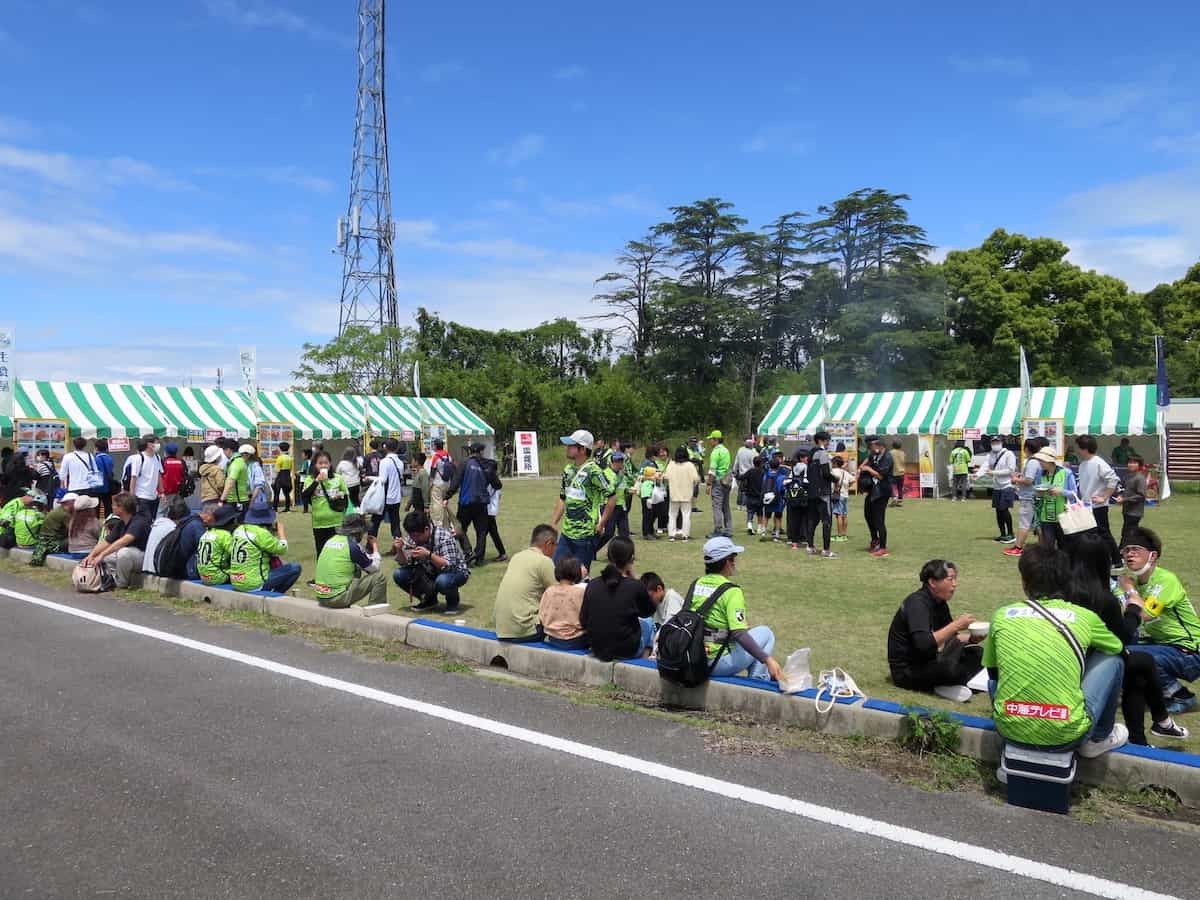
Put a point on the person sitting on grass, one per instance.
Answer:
(925, 646)
(731, 644)
(1170, 627)
(211, 563)
(558, 611)
(348, 572)
(52, 537)
(257, 545)
(617, 609)
(1035, 654)
(431, 562)
(21, 519)
(528, 576)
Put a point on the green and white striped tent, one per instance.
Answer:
(886, 412)
(314, 416)
(204, 409)
(405, 414)
(94, 410)
(1115, 409)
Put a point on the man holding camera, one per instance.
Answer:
(431, 563)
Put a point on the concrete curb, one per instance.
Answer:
(1129, 768)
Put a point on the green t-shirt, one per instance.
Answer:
(212, 556)
(323, 515)
(728, 613)
(588, 490)
(335, 568)
(27, 525)
(1038, 699)
(1121, 454)
(718, 461)
(1176, 621)
(237, 474)
(960, 459)
(250, 556)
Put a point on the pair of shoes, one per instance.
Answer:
(1169, 730)
(828, 554)
(503, 557)
(792, 546)
(959, 693)
(998, 540)
(1118, 737)
(1010, 539)
(812, 551)
(1012, 551)
(881, 553)
(1179, 705)
(423, 605)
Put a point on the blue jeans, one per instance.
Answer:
(446, 584)
(1171, 664)
(281, 579)
(736, 659)
(583, 550)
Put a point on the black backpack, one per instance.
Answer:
(795, 492)
(167, 563)
(681, 656)
(187, 487)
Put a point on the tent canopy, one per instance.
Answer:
(126, 410)
(1117, 409)
(888, 412)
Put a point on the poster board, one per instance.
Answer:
(430, 432)
(928, 472)
(270, 436)
(32, 435)
(844, 435)
(1053, 430)
(118, 445)
(525, 443)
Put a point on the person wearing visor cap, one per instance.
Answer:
(731, 644)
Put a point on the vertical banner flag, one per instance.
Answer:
(248, 359)
(525, 443)
(1026, 390)
(1163, 400)
(8, 371)
(824, 394)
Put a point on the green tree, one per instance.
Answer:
(1175, 311)
(634, 287)
(349, 364)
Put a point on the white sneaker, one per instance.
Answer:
(1118, 737)
(749, 529)
(960, 693)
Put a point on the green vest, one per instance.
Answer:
(335, 569)
(212, 556)
(1050, 506)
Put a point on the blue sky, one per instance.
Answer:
(170, 173)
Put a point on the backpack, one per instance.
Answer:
(92, 579)
(187, 487)
(167, 563)
(795, 492)
(445, 469)
(681, 656)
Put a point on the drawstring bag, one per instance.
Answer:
(837, 684)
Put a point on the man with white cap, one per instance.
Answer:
(732, 645)
(587, 500)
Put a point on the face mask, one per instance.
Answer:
(1138, 573)
(996, 448)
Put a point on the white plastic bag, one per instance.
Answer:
(837, 683)
(796, 674)
(657, 496)
(374, 500)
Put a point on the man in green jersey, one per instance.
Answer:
(215, 545)
(622, 483)
(731, 644)
(348, 572)
(1170, 627)
(720, 482)
(255, 543)
(1056, 667)
(237, 479)
(588, 500)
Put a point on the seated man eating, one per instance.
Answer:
(925, 649)
(1057, 668)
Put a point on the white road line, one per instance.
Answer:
(980, 856)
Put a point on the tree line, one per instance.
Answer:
(703, 321)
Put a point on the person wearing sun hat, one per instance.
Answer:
(348, 572)
(257, 542)
(731, 644)
(1050, 494)
(588, 501)
(720, 480)
(212, 474)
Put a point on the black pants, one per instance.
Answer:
(354, 492)
(618, 526)
(1004, 522)
(391, 515)
(1128, 523)
(662, 513)
(875, 511)
(283, 489)
(475, 515)
(106, 504)
(494, 534)
(320, 536)
(819, 512)
(1139, 691)
(956, 663)
(1101, 514)
(648, 515)
(1050, 534)
(797, 524)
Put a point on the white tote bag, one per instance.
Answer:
(374, 500)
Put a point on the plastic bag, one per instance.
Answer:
(796, 675)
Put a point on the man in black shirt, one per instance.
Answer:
(925, 651)
(124, 547)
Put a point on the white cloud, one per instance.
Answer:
(785, 139)
(67, 170)
(1014, 66)
(1092, 109)
(523, 149)
(440, 72)
(423, 233)
(256, 14)
(570, 73)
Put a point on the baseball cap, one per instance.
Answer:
(716, 435)
(617, 454)
(719, 548)
(579, 438)
(246, 448)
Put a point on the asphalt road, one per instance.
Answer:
(133, 767)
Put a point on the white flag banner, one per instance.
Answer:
(1026, 389)
(248, 359)
(8, 371)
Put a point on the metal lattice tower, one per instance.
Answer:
(365, 235)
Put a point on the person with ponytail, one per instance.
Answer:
(617, 610)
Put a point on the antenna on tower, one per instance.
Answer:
(366, 232)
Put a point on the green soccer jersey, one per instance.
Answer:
(335, 568)
(332, 488)
(960, 459)
(588, 490)
(9, 511)
(728, 613)
(27, 525)
(1038, 698)
(250, 556)
(1173, 618)
(212, 556)
(237, 474)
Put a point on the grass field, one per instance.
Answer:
(841, 608)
